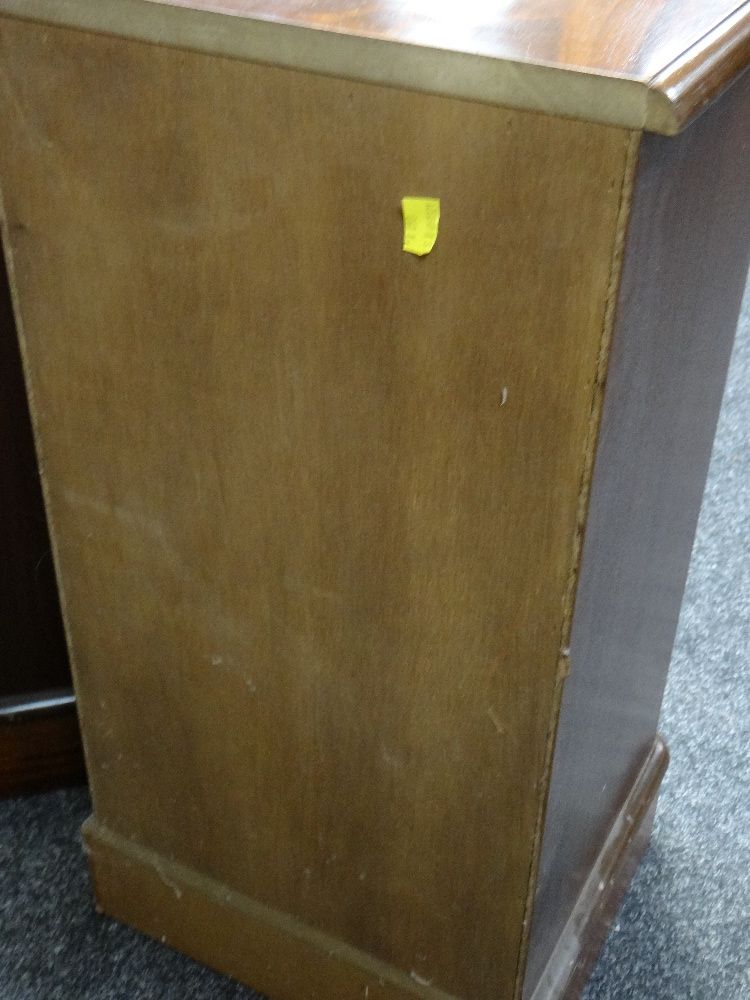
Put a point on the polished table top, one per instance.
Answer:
(636, 38)
(641, 63)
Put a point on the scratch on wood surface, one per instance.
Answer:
(393, 758)
(495, 721)
(168, 881)
(150, 526)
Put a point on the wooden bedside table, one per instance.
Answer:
(371, 561)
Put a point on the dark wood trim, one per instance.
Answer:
(684, 273)
(578, 947)
(40, 745)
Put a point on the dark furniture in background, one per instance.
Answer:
(39, 740)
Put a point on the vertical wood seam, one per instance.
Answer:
(584, 493)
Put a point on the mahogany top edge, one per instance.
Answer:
(641, 64)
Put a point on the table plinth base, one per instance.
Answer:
(277, 954)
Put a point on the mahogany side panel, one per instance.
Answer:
(684, 274)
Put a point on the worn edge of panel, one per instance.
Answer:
(584, 495)
(664, 104)
(288, 942)
(7, 250)
(605, 884)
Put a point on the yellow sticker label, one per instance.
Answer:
(421, 220)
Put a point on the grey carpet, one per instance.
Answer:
(684, 930)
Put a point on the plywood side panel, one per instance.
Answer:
(684, 274)
(314, 499)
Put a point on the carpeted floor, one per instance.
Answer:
(684, 930)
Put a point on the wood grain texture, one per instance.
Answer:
(650, 64)
(314, 570)
(32, 643)
(684, 274)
